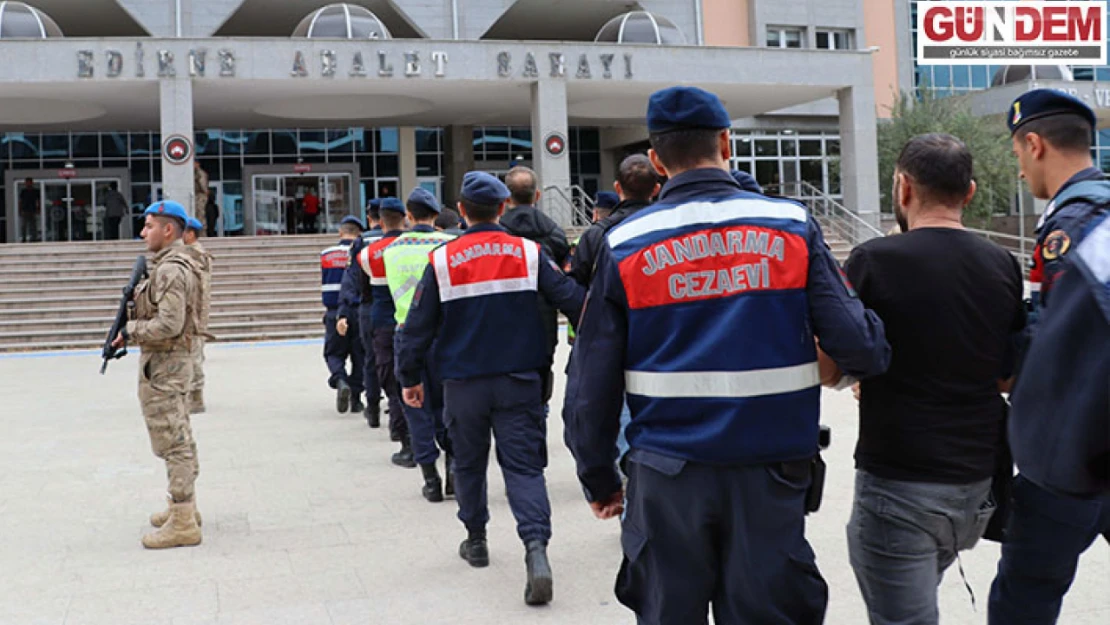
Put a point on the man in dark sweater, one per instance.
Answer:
(523, 219)
(636, 184)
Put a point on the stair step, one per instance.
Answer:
(113, 298)
(97, 334)
(94, 346)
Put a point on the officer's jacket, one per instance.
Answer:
(487, 282)
(405, 260)
(333, 265)
(354, 290)
(703, 309)
(372, 262)
(585, 252)
(203, 260)
(1059, 425)
(166, 316)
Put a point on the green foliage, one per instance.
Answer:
(986, 137)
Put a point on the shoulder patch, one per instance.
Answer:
(1056, 244)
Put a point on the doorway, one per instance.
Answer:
(300, 203)
(60, 210)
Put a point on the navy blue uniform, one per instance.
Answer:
(338, 349)
(1059, 424)
(355, 289)
(382, 324)
(703, 310)
(487, 282)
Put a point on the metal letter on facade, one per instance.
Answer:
(412, 63)
(558, 64)
(531, 70)
(139, 60)
(504, 64)
(607, 65)
(227, 62)
(628, 65)
(440, 59)
(299, 68)
(327, 63)
(385, 69)
(115, 63)
(583, 67)
(197, 59)
(84, 64)
(358, 68)
(165, 64)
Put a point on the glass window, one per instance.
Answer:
(232, 171)
(810, 147)
(588, 138)
(1102, 74)
(24, 145)
(942, 76)
(590, 163)
(365, 165)
(813, 173)
(258, 143)
(832, 147)
(388, 140)
(842, 40)
(140, 170)
(205, 145)
(55, 146)
(742, 166)
(961, 78)
(1103, 138)
(789, 146)
(386, 166)
(232, 141)
(311, 141)
(766, 147)
(980, 77)
(767, 172)
(427, 165)
(427, 140)
(283, 141)
(774, 38)
(113, 144)
(823, 39)
(742, 146)
(792, 38)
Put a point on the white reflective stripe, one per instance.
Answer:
(336, 248)
(449, 292)
(378, 281)
(705, 213)
(723, 383)
(1094, 250)
(1034, 287)
(330, 287)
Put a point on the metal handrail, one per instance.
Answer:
(838, 218)
(1019, 246)
(579, 213)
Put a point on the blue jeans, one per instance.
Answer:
(1045, 535)
(903, 535)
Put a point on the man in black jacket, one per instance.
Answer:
(523, 219)
(636, 184)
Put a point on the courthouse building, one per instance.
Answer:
(276, 99)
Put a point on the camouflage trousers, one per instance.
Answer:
(164, 379)
(197, 353)
(199, 204)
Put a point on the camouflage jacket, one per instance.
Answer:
(165, 316)
(203, 260)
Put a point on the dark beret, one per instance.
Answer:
(1040, 103)
(482, 188)
(680, 108)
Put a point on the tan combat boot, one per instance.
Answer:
(158, 519)
(196, 401)
(180, 530)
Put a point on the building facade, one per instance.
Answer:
(276, 100)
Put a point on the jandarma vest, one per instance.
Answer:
(721, 364)
(372, 261)
(333, 264)
(491, 279)
(405, 261)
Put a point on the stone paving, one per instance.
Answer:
(307, 522)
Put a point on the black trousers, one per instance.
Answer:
(387, 379)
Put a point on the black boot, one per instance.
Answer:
(342, 396)
(356, 404)
(404, 458)
(433, 485)
(540, 587)
(449, 485)
(474, 550)
(373, 414)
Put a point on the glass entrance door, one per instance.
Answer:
(280, 201)
(269, 213)
(336, 199)
(55, 211)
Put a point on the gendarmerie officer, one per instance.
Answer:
(703, 309)
(203, 260)
(486, 282)
(405, 260)
(355, 301)
(339, 345)
(1059, 424)
(382, 323)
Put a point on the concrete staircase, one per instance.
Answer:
(64, 296)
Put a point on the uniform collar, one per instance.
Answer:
(393, 233)
(697, 181)
(485, 228)
(177, 244)
(422, 228)
(347, 242)
(1089, 173)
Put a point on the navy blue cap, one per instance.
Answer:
(375, 203)
(193, 223)
(391, 204)
(351, 219)
(681, 108)
(1040, 103)
(746, 181)
(606, 199)
(168, 208)
(482, 188)
(423, 197)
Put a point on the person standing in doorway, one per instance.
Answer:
(200, 191)
(310, 211)
(211, 215)
(115, 207)
(29, 211)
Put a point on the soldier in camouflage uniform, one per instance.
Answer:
(203, 259)
(164, 325)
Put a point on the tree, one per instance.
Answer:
(986, 137)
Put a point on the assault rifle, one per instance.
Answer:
(138, 272)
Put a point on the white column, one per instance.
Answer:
(406, 158)
(549, 115)
(459, 141)
(176, 96)
(859, 160)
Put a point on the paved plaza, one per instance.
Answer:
(307, 522)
